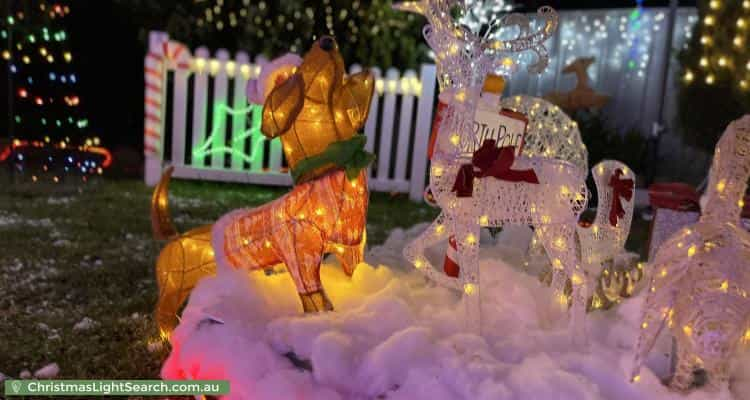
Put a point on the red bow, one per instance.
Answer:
(620, 188)
(490, 161)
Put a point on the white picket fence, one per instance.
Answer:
(197, 102)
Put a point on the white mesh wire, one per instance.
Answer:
(701, 274)
(552, 206)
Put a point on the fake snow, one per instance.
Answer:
(14, 219)
(84, 324)
(395, 336)
(47, 372)
(60, 200)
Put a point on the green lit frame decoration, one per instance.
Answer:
(209, 146)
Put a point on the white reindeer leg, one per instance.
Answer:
(559, 242)
(414, 252)
(467, 241)
(683, 375)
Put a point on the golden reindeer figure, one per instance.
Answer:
(702, 275)
(317, 112)
(582, 97)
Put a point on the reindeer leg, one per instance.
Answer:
(350, 256)
(300, 246)
(718, 378)
(559, 242)
(683, 375)
(414, 250)
(467, 241)
(170, 270)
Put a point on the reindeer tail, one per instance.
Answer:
(161, 221)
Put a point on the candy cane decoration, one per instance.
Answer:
(161, 57)
(450, 265)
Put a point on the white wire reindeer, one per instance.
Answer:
(551, 201)
(702, 274)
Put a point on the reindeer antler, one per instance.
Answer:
(455, 45)
(527, 40)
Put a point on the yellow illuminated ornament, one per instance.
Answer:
(689, 76)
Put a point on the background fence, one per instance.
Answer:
(198, 119)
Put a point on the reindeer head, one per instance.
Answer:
(579, 65)
(463, 57)
(317, 106)
(730, 171)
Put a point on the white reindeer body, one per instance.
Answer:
(702, 274)
(552, 205)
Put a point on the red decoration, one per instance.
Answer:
(675, 196)
(22, 93)
(621, 188)
(491, 161)
(450, 265)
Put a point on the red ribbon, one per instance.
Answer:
(621, 188)
(489, 160)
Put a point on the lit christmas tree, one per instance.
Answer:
(716, 70)
(48, 129)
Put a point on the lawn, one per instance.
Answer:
(74, 253)
(71, 254)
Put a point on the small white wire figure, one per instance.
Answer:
(490, 187)
(604, 240)
(702, 275)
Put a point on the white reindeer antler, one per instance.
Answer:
(462, 56)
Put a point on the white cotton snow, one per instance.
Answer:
(396, 336)
(49, 371)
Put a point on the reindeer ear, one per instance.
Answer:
(353, 100)
(282, 106)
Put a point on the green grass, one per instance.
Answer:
(68, 254)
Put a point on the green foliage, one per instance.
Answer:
(369, 32)
(604, 143)
(706, 109)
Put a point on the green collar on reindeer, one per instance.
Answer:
(349, 155)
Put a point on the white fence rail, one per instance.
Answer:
(198, 120)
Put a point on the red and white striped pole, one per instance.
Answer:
(163, 54)
(450, 266)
